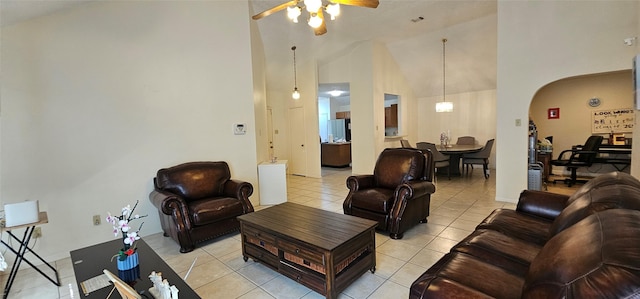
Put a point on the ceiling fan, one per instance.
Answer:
(315, 9)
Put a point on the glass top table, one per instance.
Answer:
(90, 261)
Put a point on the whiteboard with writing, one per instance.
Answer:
(613, 120)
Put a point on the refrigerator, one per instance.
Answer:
(340, 129)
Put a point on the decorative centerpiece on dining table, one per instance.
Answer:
(445, 139)
(127, 258)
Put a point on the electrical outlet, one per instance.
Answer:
(96, 219)
(37, 232)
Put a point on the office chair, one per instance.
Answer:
(580, 156)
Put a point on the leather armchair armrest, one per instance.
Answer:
(415, 189)
(357, 182)
(240, 190)
(540, 203)
(172, 205)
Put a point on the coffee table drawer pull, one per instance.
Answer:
(297, 250)
(300, 251)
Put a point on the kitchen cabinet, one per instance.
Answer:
(391, 116)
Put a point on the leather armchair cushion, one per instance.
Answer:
(598, 257)
(379, 200)
(398, 167)
(596, 200)
(195, 180)
(207, 211)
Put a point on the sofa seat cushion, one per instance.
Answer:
(522, 226)
(206, 211)
(507, 252)
(598, 257)
(379, 200)
(458, 275)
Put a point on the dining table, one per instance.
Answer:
(455, 152)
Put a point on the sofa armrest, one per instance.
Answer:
(541, 203)
(357, 182)
(171, 205)
(240, 190)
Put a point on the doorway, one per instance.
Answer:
(298, 163)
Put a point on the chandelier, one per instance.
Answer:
(444, 106)
(295, 95)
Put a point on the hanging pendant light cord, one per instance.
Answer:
(295, 75)
(444, 77)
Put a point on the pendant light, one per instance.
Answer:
(444, 106)
(295, 95)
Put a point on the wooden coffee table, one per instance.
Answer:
(322, 250)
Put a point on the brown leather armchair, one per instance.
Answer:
(397, 194)
(198, 201)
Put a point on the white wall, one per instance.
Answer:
(543, 41)
(96, 99)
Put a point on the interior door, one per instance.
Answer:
(298, 163)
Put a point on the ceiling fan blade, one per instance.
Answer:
(275, 9)
(323, 27)
(363, 3)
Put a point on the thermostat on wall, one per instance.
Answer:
(239, 129)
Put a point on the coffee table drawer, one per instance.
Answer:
(301, 251)
(262, 255)
(254, 232)
(309, 279)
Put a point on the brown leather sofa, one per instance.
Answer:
(586, 245)
(397, 194)
(198, 201)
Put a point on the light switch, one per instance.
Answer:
(518, 122)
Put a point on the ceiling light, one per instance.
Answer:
(444, 106)
(313, 5)
(333, 10)
(335, 93)
(293, 12)
(296, 94)
(315, 21)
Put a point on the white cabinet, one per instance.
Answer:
(273, 182)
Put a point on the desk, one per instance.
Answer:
(89, 262)
(22, 250)
(619, 156)
(455, 151)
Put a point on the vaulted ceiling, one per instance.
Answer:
(411, 30)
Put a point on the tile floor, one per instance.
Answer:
(457, 207)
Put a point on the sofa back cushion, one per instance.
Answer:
(598, 257)
(396, 166)
(596, 200)
(194, 180)
(606, 179)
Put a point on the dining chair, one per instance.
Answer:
(481, 157)
(440, 159)
(405, 143)
(466, 140)
(125, 290)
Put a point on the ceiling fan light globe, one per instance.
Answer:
(293, 12)
(333, 10)
(315, 21)
(313, 5)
